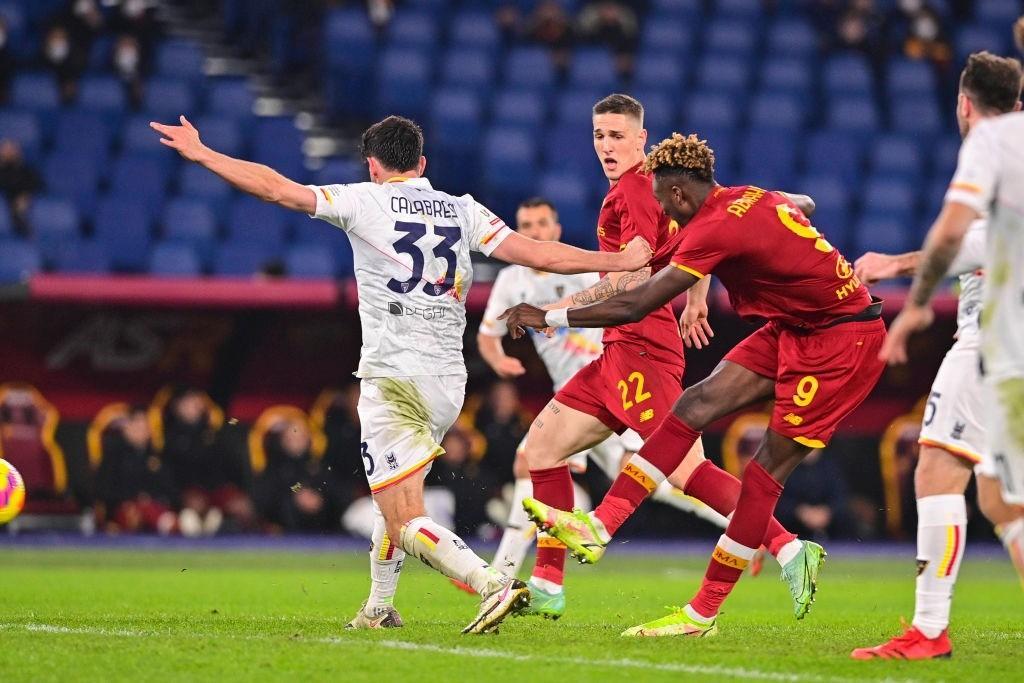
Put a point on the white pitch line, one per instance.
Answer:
(486, 653)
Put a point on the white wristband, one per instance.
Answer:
(558, 317)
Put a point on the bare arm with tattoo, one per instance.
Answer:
(605, 288)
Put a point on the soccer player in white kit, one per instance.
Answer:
(563, 354)
(411, 246)
(989, 181)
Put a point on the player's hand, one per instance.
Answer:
(183, 138)
(521, 316)
(509, 367)
(911, 319)
(872, 267)
(694, 326)
(636, 254)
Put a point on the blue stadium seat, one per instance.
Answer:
(974, 38)
(123, 227)
(317, 232)
(309, 261)
(910, 77)
(724, 73)
(997, 12)
(34, 90)
(6, 224)
(475, 29)
(342, 171)
(277, 132)
(191, 221)
(403, 82)
(53, 218)
(180, 59)
(81, 256)
(592, 68)
(730, 36)
(73, 176)
(83, 132)
(195, 182)
(853, 115)
(18, 261)
(667, 35)
(349, 39)
(896, 155)
(724, 142)
(787, 75)
(657, 70)
(792, 37)
(934, 197)
(174, 259)
(102, 94)
(769, 159)
(570, 146)
(165, 99)
(848, 74)
(455, 121)
(242, 258)
(741, 9)
(576, 106)
(891, 195)
(691, 9)
(410, 28)
(835, 153)
(251, 220)
(529, 67)
(468, 68)
(509, 161)
(100, 53)
(777, 111)
(882, 233)
(710, 110)
(230, 97)
(138, 137)
(22, 127)
(659, 112)
(945, 152)
(919, 116)
(829, 192)
(140, 176)
(570, 195)
(221, 133)
(522, 108)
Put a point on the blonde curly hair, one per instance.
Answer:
(689, 155)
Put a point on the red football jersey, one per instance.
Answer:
(630, 210)
(773, 262)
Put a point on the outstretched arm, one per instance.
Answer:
(627, 307)
(255, 179)
(555, 257)
(872, 267)
(605, 288)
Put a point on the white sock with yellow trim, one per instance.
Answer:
(385, 568)
(1012, 536)
(519, 532)
(442, 550)
(941, 523)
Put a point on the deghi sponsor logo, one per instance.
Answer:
(427, 312)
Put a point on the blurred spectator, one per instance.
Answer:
(19, 181)
(380, 11)
(127, 60)
(212, 485)
(289, 493)
(66, 60)
(921, 34)
(470, 485)
(615, 26)
(814, 502)
(336, 413)
(134, 488)
(7, 64)
(862, 28)
(549, 25)
(137, 19)
(502, 423)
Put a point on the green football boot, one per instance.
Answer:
(542, 603)
(582, 534)
(801, 575)
(676, 623)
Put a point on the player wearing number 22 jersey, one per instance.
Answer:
(816, 356)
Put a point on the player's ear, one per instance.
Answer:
(1016, 107)
(643, 139)
(421, 166)
(376, 170)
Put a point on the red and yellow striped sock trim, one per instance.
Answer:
(949, 556)
(387, 549)
(546, 541)
(427, 538)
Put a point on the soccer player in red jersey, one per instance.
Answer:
(816, 356)
(639, 374)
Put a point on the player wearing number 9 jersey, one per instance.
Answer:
(816, 357)
(412, 247)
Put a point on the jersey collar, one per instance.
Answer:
(414, 182)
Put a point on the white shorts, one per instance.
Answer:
(402, 422)
(953, 416)
(1004, 413)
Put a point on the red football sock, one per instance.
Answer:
(719, 490)
(553, 487)
(659, 457)
(758, 497)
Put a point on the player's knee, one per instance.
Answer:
(991, 504)
(521, 466)
(692, 408)
(939, 473)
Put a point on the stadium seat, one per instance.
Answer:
(509, 160)
(710, 110)
(475, 29)
(659, 113)
(835, 153)
(724, 73)
(411, 28)
(195, 182)
(523, 108)
(882, 233)
(18, 261)
(593, 68)
(190, 221)
(164, 99)
(274, 133)
(768, 159)
(919, 117)
(342, 171)
(827, 191)
(786, 75)
(853, 115)
(777, 111)
(81, 256)
(22, 127)
(140, 176)
(229, 97)
(180, 59)
(252, 220)
(690, 9)
(657, 70)
(974, 38)
(848, 74)
(83, 132)
(730, 36)
(529, 67)
(945, 152)
(890, 195)
(456, 121)
(174, 259)
(910, 77)
(242, 258)
(571, 197)
(137, 137)
(570, 147)
(123, 227)
(792, 37)
(996, 12)
(576, 106)
(102, 94)
(222, 134)
(896, 155)
(6, 224)
(35, 90)
(403, 83)
(748, 10)
(74, 176)
(53, 218)
(668, 35)
(309, 261)
(468, 68)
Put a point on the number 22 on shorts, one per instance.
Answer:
(639, 395)
(806, 389)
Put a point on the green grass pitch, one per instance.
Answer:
(111, 615)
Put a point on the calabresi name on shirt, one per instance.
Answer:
(430, 207)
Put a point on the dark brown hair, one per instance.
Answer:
(618, 103)
(396, 142)
(992, 82)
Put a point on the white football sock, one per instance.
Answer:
(941, 523)
(442, 550)
(789, 551)
(519, 532)
(669, 495)
(385, 568)
(1012, 536)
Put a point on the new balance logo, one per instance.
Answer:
(958, 430)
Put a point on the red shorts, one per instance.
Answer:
(820, 376)
(624, 388)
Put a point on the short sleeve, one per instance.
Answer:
(699, 251)
(971, 256)
(641, 214)
(497, 303)
(974, 182)
(336, 204)
(486, 230)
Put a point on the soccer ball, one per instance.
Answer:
(12, 492)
